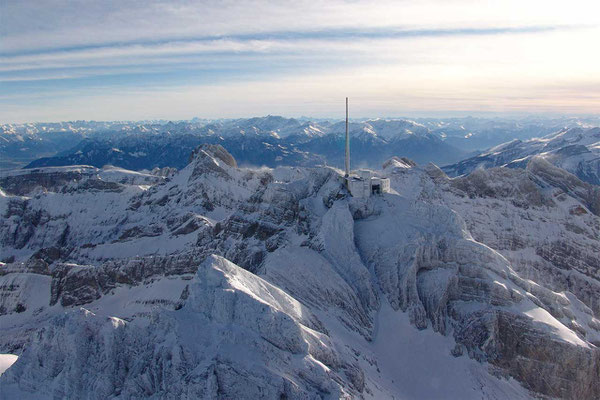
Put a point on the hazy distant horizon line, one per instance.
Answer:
(416, 116)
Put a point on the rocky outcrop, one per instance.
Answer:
(79, 285)
(216, 151)
(51, 179)
(570, 184)
(524, 349)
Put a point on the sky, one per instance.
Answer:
(155, 59)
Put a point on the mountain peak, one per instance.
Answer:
(216, 152)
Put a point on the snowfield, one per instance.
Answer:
(6, 360)
(225, 282)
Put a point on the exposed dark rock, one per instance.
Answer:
(141, 231)
(190, 225)
(516, 344)
(51, 180)
(94, 184)
(51, 254)
(76, 285)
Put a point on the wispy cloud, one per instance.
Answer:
(39, 24)
(346, 44)
(396, 50)
(233, 41)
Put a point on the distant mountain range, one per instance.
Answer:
(575, 150)
(268, 141)
(472, 134)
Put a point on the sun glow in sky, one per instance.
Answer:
(109, 60)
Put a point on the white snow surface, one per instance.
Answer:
(576, 150)
(330, 297)
(6, 360)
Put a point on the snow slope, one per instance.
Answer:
(6, 360)
(576, 150)
(228, 282)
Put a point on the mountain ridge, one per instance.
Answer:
(576, 150)
(273, 140)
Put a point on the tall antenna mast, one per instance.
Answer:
(347, 143)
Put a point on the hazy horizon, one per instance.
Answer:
(132, 60)
(433, 116)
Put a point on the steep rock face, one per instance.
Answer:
(217, 151)
(189, 353)
(18, 288)
(518, 213)
(65, 179)
(50, 179)
(336, 242)
(537, 360)
(19, 222)
(428, 265)
(564, 258)
(396, 255)
(309, 277)
(540, 218)
(570, 184)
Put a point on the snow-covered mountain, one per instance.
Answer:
(270, 141)
(473, 133)
(576, 150)
(262, 141)
(225, 282)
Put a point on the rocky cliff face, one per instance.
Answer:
(225, 282)
(542, 225)
(236, 333)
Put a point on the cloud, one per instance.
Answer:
(372, 93)
(39, 24)
(455, 54)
